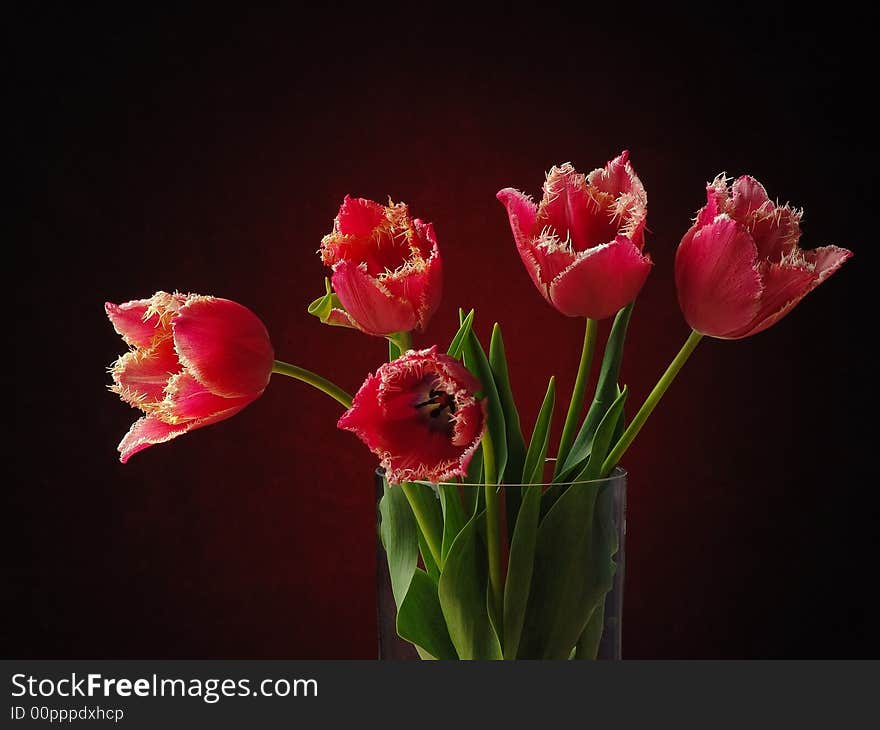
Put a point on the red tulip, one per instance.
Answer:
(739, 269)
(418, 414)
(195, 360)
(582, 245)
(386, 268)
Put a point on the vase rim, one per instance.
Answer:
(617, 475)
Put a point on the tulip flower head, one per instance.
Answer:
(420, 416)
(739, 269)
(582, 244)
(195, 360)
(387, 272)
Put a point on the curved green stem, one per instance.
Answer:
(313, 379)
(433, 536)
(493, 526)
(577, 394)
(402, 341)
(651, 402)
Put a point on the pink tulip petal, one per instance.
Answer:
(376, 310)
(340, 318)
(186, 399)
(574, 211)
(601, 281)
(128, 321)
(522, 214)
(151, 430)
(224, 345)
(146, 432)
(775, 230)
(747, 196)
(785, 285)
(420, 284)
(140, 376)
(718, 287)
(359, 216)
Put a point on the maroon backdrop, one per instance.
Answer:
(209, 154)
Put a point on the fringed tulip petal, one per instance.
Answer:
(224, 345)
(418, 414)
(129, 321)
(582, 244)
(369, 302)
(601, 281)
(140, 376)
(718, 288)
(146, 432)
(739, 269)
(186, 399)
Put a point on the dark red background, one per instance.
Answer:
(209, 154)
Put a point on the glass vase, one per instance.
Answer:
(603, 633)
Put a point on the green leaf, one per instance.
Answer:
(606, 393)
(574, 551)
(420, 618)
(588, 645)
(400, 537)
(453, 516)
(428, 559)
(522, 544)
(463, 595)
(470, 495)
(533, 468)
(323, 306)
(516, 448)
(604, 438)
(457, 344)
(475, 360)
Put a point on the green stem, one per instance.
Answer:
(401, 340)
(577, 395)
(651, 402)
(313, 379)
(426, 524)
(493, 526)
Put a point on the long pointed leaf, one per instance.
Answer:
(453, 516)
(516, 448)
(462, 592)
(476, 361)
(457, 344)
(576, 559)
(420, 618)
(399, 533)
(606, 393)
(522, 544)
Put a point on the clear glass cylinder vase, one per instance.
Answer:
(603, 532)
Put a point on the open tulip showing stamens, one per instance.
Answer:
(195, 360)
(419, 415)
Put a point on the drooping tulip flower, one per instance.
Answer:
(420, 416)
(387, 273)
(739, 268)
(582, 244)
(195, 360)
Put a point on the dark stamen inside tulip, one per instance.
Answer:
(439, 403)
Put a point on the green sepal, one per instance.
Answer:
(322, 306)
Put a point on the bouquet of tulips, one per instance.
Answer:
(489, 555)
